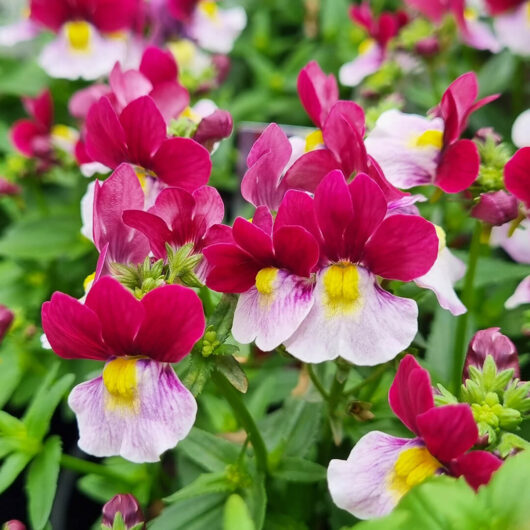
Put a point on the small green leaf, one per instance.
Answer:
(198, 372)
(39, 413)
(42, 482)
(209, 451)
(204, 484)
(236, 514)
(11, 468)
(295, 469)
(231, 369)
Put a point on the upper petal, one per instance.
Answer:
(458, 167)
(403, 247)
(158, 65)
(476, 467)
(309, 170)
(296, 249)
(253, 240)
(517, 175)
(174, 322)
(411, 392)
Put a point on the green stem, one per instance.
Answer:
(316, 383)
(374, 376)
(245, 419)
(467, 298)
(85, 467)
(337, 387)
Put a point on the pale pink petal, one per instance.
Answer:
(270, 319)
(445, 272)
(361, 484)
(352, 73)
(521, 129)
(372, 330)
(480, 36)
(517, 245)
(160, 414)
(19, 31)
(520, 296)
(513, 30)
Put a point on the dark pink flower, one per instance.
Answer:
(497, 7)
(127, 506)
(14, 525)
(517, 175)
(6, 319)
(382, 468)
(495, 208)
(138, 135)
(491, 342)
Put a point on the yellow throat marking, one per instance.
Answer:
(430, 138)
(412, 467)
(341, 288)
(265, 280)
(184, 52)
(442, 240)
(313, 140)
(119, 378)
(209, 8)
(366, 45)
(78, 34)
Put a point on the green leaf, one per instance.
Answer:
(10, 371)
(236, 514)
(42, 239)
(204, 484)
(208, 451)
(439, 354)
(295, 469)
(497, 74)
(198, 513)
(256, 499)
(11, 468)
(198, 372)
(231, 369)
(42, 482)
(39, 413)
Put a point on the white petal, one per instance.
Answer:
(272, 319)
(87, 212)
(163, 414)
(520, 296)
(513, 29)
(521, 129)
(517, 245)
(375, 330)
(365, 64)
(360, 484)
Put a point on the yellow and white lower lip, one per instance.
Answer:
(341, 288)
(79, 36)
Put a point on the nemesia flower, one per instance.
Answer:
(495, 208)
(88, 41)
(179, 217)
(13, 525)
(138, 135)
(521, 130)
(331, 299)
(128, 507)
(512, 24)
(491, 342)
(215, 29)
(20, 28)
(138, 408)
(382, 468)
(372, 52)
(414, 151)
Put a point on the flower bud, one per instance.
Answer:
(491, 342)
(428, 46)
(14, 525)
(495, 208)
(127, 506)
(6, 319)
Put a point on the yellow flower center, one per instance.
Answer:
(184, 52)
(365, 46)
(209, 8)
(265, 280)
(119, 378)
(341, 288)
(430, 138)
(78, 35)
(470, 14)
(412, 467)
(189, 113)
(442, 241)
(313, 140)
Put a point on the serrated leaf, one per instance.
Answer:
(208, 451)
(204, 484)
(42, 482)
(236, 514)
(40, 411)
(295, 469)
(11, 468)
(231, 369)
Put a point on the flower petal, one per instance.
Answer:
(411, 392)
(270, 319)
(253, 240)
(459, 166)
(476, 467)
(352, 73)
(162, 415)
(368, 330)
(448, 431)
(308, 171)
(359, 485)
(173, 323)
(296, 249)
(517, 175)
(520, 296)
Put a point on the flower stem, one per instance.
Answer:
(245, 419)
(467, 298)
(374, 376)
(86, 467)
(316, 383)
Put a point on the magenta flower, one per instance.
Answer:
(32, 137)
(373, 51)
(309, 280)
(87, 43)
(128, 507)
(382, 468)
(138, 408)
(178, 218)
(495, 208)
(138, 136)
(414, 151)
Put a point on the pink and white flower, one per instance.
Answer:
(138, 408)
